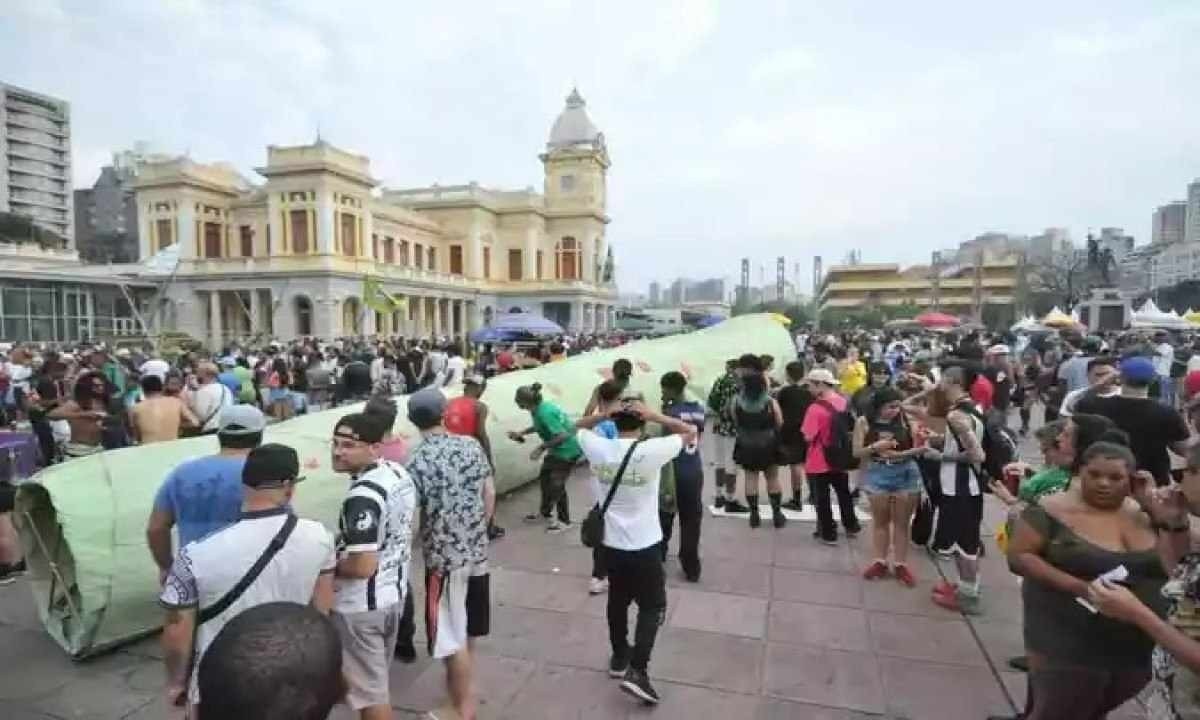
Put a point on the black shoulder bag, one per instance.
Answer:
(591, 532)
(252, 574)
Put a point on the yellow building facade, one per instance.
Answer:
(991, 287)
(287, 257)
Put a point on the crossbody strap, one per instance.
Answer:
(961, 449)
(252, 574)
(612, 490)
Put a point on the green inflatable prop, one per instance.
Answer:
(82, 523)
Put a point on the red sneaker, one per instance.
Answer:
(950, 602)
(905, 576)
(944, 587)
(875, 570)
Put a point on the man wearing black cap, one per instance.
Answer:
(375, 528)
(268, 555)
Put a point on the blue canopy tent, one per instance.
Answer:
(515, 326)
(709, 321)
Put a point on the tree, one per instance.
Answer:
(18, 229)
(1062, 280)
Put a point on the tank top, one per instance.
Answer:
(895, 430)
(462, 417)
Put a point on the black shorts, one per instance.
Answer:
(959, 518)
(8, 497)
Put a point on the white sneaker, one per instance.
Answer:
(556, 526)
(597, 586)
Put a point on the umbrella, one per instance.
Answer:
(492, 335)
(936, 319)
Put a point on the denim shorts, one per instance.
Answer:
(882, 478)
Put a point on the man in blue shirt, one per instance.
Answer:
(205, 494)
(688, 471)
(227, 376)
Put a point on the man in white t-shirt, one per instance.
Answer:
(632, 531)
(210, 398)
(1103, 381)
(456, 367)
(197, 591)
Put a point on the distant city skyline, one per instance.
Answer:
(734, 130)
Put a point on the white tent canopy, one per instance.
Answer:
(1150, 316)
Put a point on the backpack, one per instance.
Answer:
(839, 450)
(999, 442)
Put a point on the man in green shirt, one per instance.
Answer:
(561, 450)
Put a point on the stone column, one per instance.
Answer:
(460, 318)
(325, 223)
(185, 223)
(214, 320)
(255, 311)
(418, 316)
(576, 321)
(438, 327)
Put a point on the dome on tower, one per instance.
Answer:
(573, 126)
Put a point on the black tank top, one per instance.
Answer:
(896, 430)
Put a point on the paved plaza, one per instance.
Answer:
(779, 627)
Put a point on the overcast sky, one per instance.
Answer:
(736, 129)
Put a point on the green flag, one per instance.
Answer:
(378, 299)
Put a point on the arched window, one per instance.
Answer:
(568, 262)
(303, 315)
(350, 317)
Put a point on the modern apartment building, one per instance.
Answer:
(1169, 223)
(35, 160)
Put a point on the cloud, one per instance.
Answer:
(782, 66)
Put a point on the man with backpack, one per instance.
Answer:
(828, 427)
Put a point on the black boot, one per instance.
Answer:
(752, 501)
(776, 513)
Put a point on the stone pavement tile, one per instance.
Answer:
(539, 554)
(45, 668)
(1014, 683)
(724, 576)
(1001, 640)
(918, 560)
(689, 702)
(804, 553)
(343, 712)
(909, 636)
(772, 709)
(20, 712)
(94, 698)
(814, 587)
(584, 642)
(888, 595)
(496, 680)
(729, 538)
(929, 691)
(1001, 601)
(719, 613)
(16, 606)
(708, 660)
(833, 678)
(821, 625)
(556, 693)
(538, 591)
(148, 647)
(523, 633)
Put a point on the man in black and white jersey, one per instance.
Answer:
(375, 528)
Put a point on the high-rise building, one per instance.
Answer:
(35, 163)
(1050, 243)
(1192, 233)
(655, 294)
(711, 290)
(1169, 223)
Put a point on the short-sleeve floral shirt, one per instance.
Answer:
(449, 472)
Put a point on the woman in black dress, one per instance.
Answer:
(756, 450)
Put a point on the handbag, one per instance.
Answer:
(922, 522)
(591, 532)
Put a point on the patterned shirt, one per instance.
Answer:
(449, 472)
(719, 397)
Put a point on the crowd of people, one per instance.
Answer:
(915, 427)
